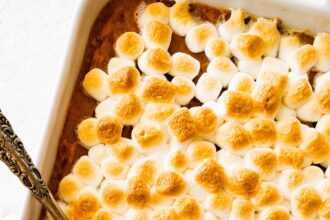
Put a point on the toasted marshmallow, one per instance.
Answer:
(117, 63)
(156, 11)
(263, 161)
(123, 151)
(303, 59)
(216, 47)
(323, 126)
(233, 137)
(289, 157)
(289, 180)
(181, 20)
(148, 137)
(267, 30)
(145, 170)
(185, 90)
(156, 89)
(305, 202)
(276, 79)
(310, 111)
(108, 130)
(105, 108)
(322, 93)
(322, 46)
(241, 209)
(219, 203)
(210, 176)
(137, 192)
(289, 132)
(86, 132)
(243, 182)
(87, 171)
(241, 82)
(188, 208)
(181, 125)
(229, 160)
(139, 214)
(268, 195)
(95, 84)
(206, 120)
(299, 92)
(251, 67)
(98, 153)
(155, 61)
(176, 159)
(234, 25)
(267, 100)
(208, 87)
(123, 81)
(128, 109)
(158, 201)
(184, 65)
(271, 64)
(236, 106)
(316, 146)
(113, 197)
(129, 45)
(69, 187)
(224, 68)
(288, 44)
(263, 131)
(164, 214)
(103, 214)
(112, 169)
(275, 213)
(313, 175)
(247, 46)
(157, 112)
(285, 112)
(85, 206)
(156, 34)
(198, 36)
(170, 184)
(200, 150)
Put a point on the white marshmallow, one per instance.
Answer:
(105, 108)
(234, 25)
(208, 87)
(117, 63)
(156, 11)
(209, 216)
(138, 214)
(313, 175)
(271, 64)
(242, 82)
(310, 111)
(194, 189)
(216, 47)
(229, 160)
(285, 112)
(95, 84)
(198, 36)
(251, 67)
(223, 68)
(185, 90)
(288, 44)
(323, 125)
(88, 171)
(181, 20)
(97, 153)
(184, 65)
(289, 180)
(322, 46)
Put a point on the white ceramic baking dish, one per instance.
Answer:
(306, 14)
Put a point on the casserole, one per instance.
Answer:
(292, 13)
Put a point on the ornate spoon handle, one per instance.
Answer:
(13, 154)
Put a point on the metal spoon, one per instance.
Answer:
(13, 154)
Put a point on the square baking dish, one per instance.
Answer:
(313, 15)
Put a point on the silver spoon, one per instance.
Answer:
(13, 154)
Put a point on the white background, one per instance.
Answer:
(33, 35)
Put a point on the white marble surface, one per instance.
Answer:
(33, 35)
